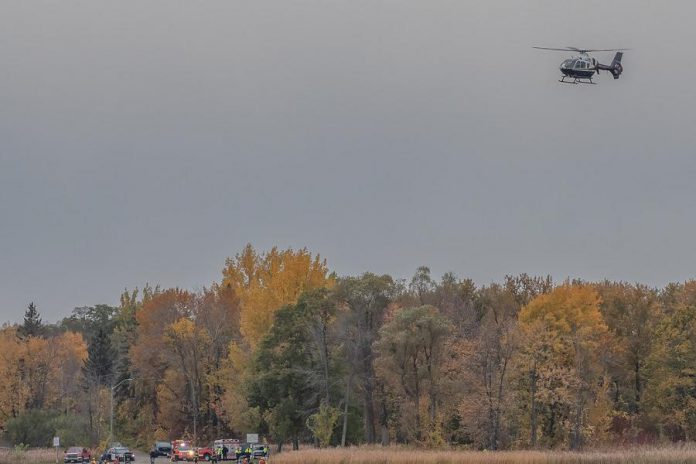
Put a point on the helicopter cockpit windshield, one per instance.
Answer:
(568, 64)
(576, 64)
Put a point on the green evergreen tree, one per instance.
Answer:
(32, 326)
(98, 366)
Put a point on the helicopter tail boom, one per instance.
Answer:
(615, 68)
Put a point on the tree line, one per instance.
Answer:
(286, 348)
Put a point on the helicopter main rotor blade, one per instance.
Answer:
(556, 49)
(583, 50)
(605, 50)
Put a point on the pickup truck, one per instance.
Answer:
(205, 453)
(76, 454)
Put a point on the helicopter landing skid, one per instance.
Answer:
(576, 80)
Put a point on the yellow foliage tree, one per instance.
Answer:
(14, 393)
(68, 352)
(235, 409)
(564, 334)
(266, 282)
(39, 373)
(671, 393)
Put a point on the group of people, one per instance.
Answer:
(243, 456)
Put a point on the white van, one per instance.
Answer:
(230, 443)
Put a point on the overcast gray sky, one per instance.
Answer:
(146, 141)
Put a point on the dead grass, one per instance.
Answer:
(365, 455)
(32, 456)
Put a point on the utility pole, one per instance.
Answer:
(111, 426)
(194, 403)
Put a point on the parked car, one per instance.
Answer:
(77, 454)
(118, 453)
(162, 448)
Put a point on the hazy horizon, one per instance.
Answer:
(148, 141)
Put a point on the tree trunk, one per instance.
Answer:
(638, 385)
(346, 401)
(533, 412)
(416, 386)
(369, 410)
(90, 413)
(576, 441)
(194, 410)
(325, 355)
(384, 418)
(499, 402)
(368, 397)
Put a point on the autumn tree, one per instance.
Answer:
(217, 315)
(177, 358)
(14, 391)
(38, 374)
(564, 336)
(189, 344)
(487, 357)
(411, 350)
(456, 300)
(631, 313)
(363, 301)
(150, 357)
(266, 282)
(671, 389)
(68, 352)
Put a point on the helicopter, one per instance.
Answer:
(580, 69)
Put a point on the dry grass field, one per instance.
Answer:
(363, 455)
(32, 456)
(685, 454)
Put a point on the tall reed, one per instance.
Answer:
(367, 455)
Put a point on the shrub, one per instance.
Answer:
(33, 428)
(37, 428)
